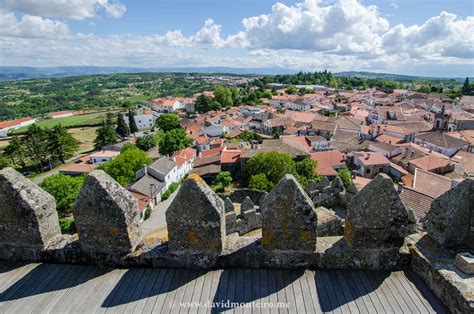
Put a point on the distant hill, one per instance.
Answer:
(17, 73)
(8, 73)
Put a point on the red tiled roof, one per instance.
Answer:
(230, 156)
(78, 168)
(213, 151)
(60, 113)
(332, 157)
(7, 124)
(370, 159)
(184, 155)
(142, 200)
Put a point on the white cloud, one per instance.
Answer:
(444, 35)
(64, 9)
(344, 27)
(32, 26)
(209, 34)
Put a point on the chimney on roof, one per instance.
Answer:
(367, 157)
(145, 170)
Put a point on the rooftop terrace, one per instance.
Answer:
(55, 288)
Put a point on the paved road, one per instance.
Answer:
(157, 221)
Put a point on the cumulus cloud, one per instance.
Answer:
(344, 27)
(70, 9)
(444, 35)
(31, 27)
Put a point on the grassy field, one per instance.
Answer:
(79, 120)
(85, 136)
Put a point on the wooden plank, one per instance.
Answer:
(206, 289)
(69, 299)
(186, 278)
(295, 285)
(99, 289)
(428, 294)
(281, 293)
(359, 291)
(239, 289)
(313, 293)
(112, 301)
(216, 275)
(272, 288)
(231, 292)
(147, 290)
(165, 289)
(221, 289)
(341, 284)
(155, 290)
(196, 298)
(332, 295)
(415, 293)
(290, 295)
(264, 292)
(55, 287)
(22, 286)
(401, 294)
(392, 291)
(375, 286)
(136, 276)
(168, 302)
(323, 293)
(383, 287)
(255, 274)
(247, 289)
(139, 290)
(13, 277)
(38, 292)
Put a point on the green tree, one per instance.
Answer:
(224, 178)
(246, 136)
(125, 165)
(35, 142)
(146, 142)
(64, 189)
(16, 151)
(203, 104)
(105, 134)
(173, 141)
(291, 90)
(4, 162)
(307, 168)
(128, 146)
(131, 121)
(168, 121)
(273, 164)
(466, 87)
(61, 144)
(260, 182)
(345, 176)
(223, 96)
(122, 128)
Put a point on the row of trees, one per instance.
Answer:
(41, 146)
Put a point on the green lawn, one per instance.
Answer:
(79, 120)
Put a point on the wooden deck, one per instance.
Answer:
(52, 288)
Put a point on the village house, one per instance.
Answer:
(387, 115)
(143, 121)
(60, 114)
(103, 156)
(368, 165)
(167, 105)
(329, 162)
(432, 163)
(184, 160)
(440, 142)
(6, 126)
(388, 150)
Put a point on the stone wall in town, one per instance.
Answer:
(294, 232)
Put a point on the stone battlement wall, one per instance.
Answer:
(286, 230)
(206, 231)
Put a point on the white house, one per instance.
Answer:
(184, 159)
(440, 142)
(163, 169)
(103, 156)
(167, 105)
(6, 126)
(144, 121)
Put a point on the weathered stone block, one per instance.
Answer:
(28, 216)
(465, 262)
(312, 186)
(247, 204)
(289, 220)
(228, 205)
(106, 216)
(376, 217)
(324, 183)
(337, 185)
(329, 224)
(196, 218)
(450, 220)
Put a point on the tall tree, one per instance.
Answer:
(36, 145)
(131, 122)
(122, 128)
(64, 189)
(223, 96)
(167, 121)
(105, 133)
(61, 144)
(125, 165)
(466, 87)
(173, 141)
(203, 104)
(16, 151)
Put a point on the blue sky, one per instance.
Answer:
(422, 37)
